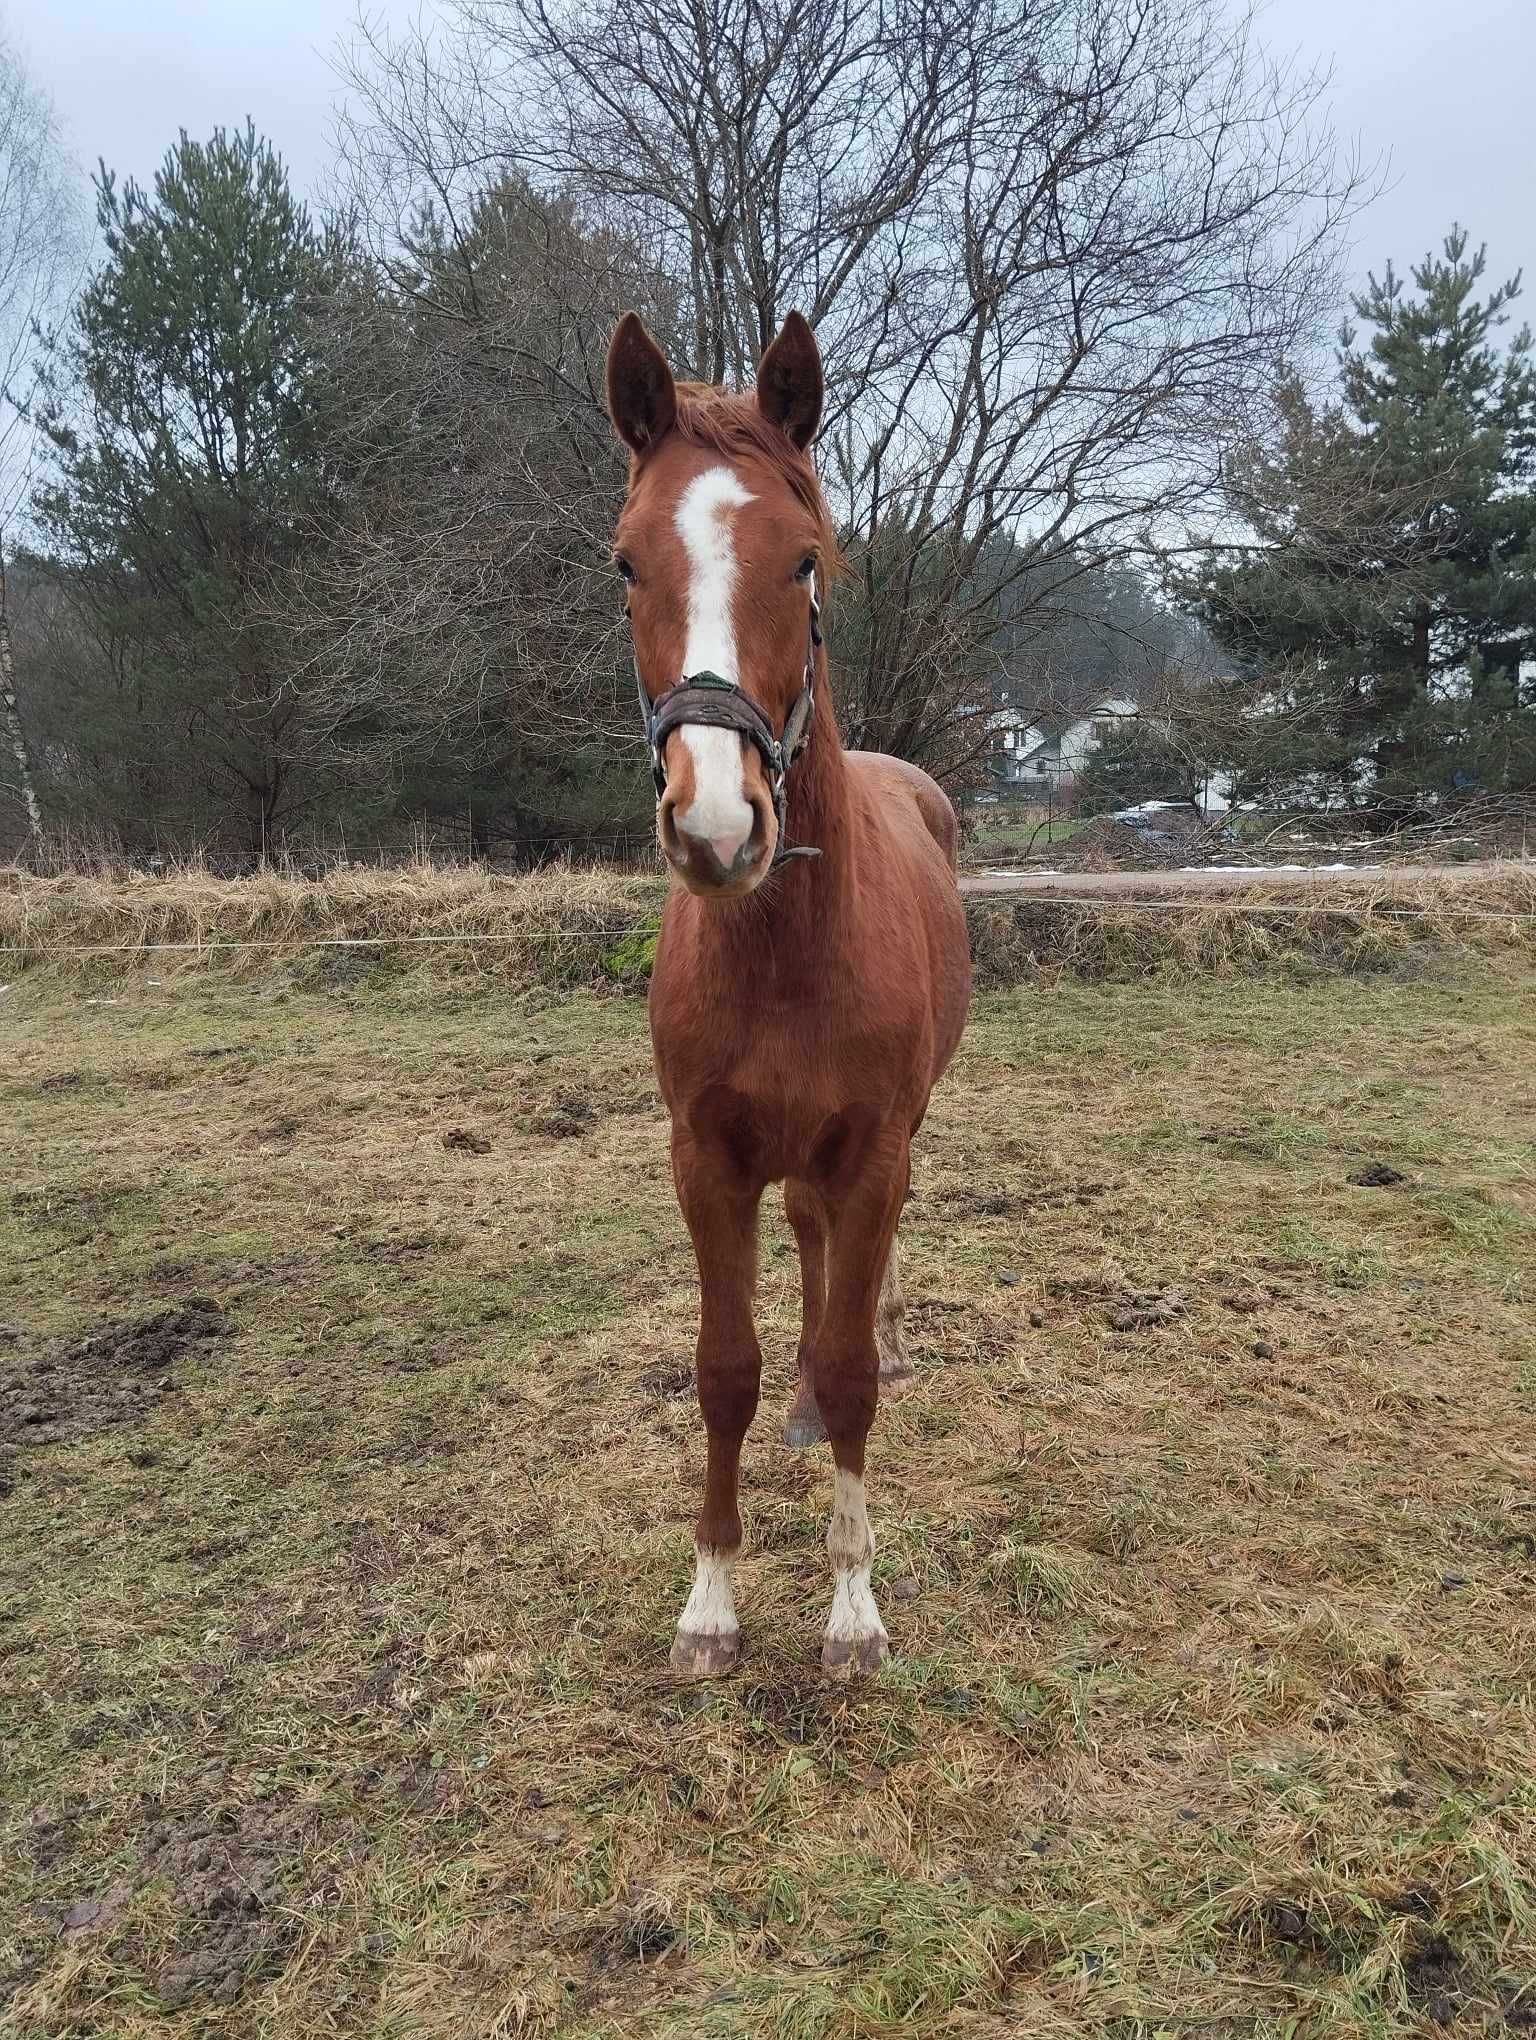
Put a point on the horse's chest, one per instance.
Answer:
(773, 1081)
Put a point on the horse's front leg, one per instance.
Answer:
(723, 1222)
(847, 1375)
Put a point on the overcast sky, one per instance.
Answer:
(1444, 90)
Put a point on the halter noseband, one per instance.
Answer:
(708, 700)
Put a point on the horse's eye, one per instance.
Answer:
(806, 568)
(626, 571)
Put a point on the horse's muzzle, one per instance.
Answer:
(717, 867)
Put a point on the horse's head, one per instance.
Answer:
(722, 540)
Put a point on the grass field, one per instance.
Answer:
(349, 1461)
(1005, 832)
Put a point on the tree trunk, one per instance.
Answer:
(261, 798)
(15, 735)
(1421, 646)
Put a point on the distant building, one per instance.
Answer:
(1031, 759)
(1034, 757)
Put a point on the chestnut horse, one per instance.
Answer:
(812, 973)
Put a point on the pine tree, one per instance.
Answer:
(185, 416)
(1138, 760)
(1394, 580)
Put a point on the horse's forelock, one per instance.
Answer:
(724, 422)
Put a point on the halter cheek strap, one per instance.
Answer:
(708, 701)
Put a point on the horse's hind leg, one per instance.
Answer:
(846, 1370)
(803, 1425)
(890, 1331)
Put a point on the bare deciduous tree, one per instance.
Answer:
(450, 610)
(1054, 256)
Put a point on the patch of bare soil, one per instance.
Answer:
(1017, 1204)
(573, 1114)
(1436, 1980)
(228, 1872)
(116, 1374)
(1128, 1307)
(1377, 1176)
(462, 1140)
(237, 1885)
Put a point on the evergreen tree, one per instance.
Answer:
(185, 417)
(1396, 557)
(1137, 761)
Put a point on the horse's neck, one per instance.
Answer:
(819, 796)
(798, 922)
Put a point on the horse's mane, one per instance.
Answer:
(729, 423)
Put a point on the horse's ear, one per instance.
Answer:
(789, 381)
(642, 397)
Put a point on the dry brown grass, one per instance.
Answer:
(568, 925)
(1350, 925)
(547, 925)
(1211, 1709)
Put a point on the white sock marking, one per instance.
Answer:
(851, 1548)
(711, 1607)
(719, 812)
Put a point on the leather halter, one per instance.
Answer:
(707, 700)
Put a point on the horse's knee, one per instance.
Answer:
(727, 1386)
(847, 1384)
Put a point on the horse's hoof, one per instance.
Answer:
(854, 1657)
(803, 1426)
(898, 1379)
(705, 1657)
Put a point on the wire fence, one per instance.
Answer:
(1370, 907)
(72, 854)
(1465, 827)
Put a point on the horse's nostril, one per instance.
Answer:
(666, 823)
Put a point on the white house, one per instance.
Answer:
(1032, 757)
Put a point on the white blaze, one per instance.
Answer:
(720, 812)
